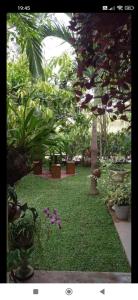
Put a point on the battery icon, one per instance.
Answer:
(129, 7)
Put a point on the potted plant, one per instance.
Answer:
(70, 167)
(55, 166)
(21, 236)
(118, 173)
(121, 198)
(21, 232)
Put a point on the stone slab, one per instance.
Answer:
(41, 276)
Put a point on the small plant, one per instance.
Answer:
(15, 208)
(13, 259)
(121, 195)
(116, 167)
(105, 164)
(53, 218)
(109, 196)
(22, 232)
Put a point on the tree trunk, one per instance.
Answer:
(94, 151)
(104, 134)
(101, 137)
(83, 155)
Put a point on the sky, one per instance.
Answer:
(53, 46)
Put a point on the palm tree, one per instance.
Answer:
(29, 34)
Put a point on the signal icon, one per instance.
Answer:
(112, 8)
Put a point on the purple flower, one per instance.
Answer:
(47, 211)
(52, 219)
(55, 211)
(59, 223)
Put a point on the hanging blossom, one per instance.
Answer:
(54, 217)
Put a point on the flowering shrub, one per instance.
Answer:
(53, 218)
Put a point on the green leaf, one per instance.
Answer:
(24, 207)
(29, 117)
(57, 30)
(34, 54)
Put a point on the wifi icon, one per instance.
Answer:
(120, 7)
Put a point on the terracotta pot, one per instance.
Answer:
(56, 171)
(37, 167)
(97, 173)
(70, 167)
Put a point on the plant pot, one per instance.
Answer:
(122, 212)
(37, 167)
(56, 171)
(24, 272)
(118, 176)
(70, 167)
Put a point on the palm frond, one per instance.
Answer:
(29, 38)
(56, 30)
(34, 54)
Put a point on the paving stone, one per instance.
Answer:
(78, 277)
(124, 231)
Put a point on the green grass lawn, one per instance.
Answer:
(88, 240)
